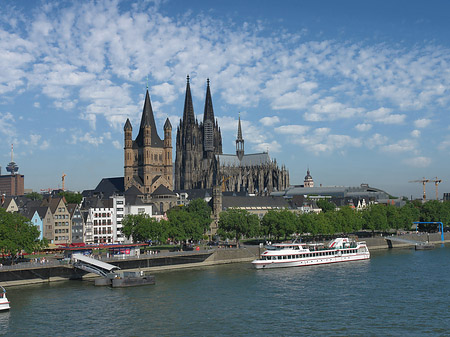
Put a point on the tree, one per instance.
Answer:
(184, 225)
(143, 228)
(238, 223)
(279, 223)
(201, 212)
(375, 218)
(34, 196)
(18, 234)
(326, 205)
(71, 197)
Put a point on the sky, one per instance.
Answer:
(356, 91)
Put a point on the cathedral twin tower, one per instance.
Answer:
(199, 162)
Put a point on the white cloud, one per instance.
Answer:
(383, 115)
(422, 123)
(419, 162)
(117, 144)
(7, 125)
(376, 140)
(269, 121)
(405, 145)
(292, 129)
(37, 104)
(321, 140)
(329, 109)
(363, 127)
(272, 147)
(415, 133)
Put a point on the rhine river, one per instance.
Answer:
(398, 292)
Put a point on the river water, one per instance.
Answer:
(398, 292)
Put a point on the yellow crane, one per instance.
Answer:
(436, 182)
(63, 180)
(423, 181)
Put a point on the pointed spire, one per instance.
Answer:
(239, 134)
(148, 119)
(208, 113)
(239, 141)
(188, 113)
(127, 125)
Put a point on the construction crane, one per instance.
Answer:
(436, 182)
(63, 180)
(423, 181)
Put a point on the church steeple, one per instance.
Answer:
(208, 121)
(148, 121)
(239, 141)
(188, 113)
(208, 113)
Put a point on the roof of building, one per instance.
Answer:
(193, 194)
(254, 159)
(109, 186)
(162, 190)
(334, 191)
(148, 119)
(252, 202)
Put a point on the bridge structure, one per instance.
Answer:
(441, 226)
(91, 265)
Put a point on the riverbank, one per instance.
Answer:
(53, 272)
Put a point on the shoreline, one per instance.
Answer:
(210, 258)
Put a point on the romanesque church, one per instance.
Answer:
(148, 158)
(200, 163)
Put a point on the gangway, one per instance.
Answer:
(397, 239)
(91, 265)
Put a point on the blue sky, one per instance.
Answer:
(357, 91)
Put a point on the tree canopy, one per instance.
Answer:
(18, 234)
(71, 197)
(238, 223)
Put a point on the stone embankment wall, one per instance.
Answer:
(380, 242)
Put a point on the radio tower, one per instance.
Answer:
(12, 166)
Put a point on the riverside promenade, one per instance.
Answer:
(54, 270)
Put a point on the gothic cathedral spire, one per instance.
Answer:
(239, 141)
(188, 113)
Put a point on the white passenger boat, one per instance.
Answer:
(4, 303)
(301, 254)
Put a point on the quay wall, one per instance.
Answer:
(21, 275)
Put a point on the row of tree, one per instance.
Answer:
(192, 222)
(183, 223)
(280, 224)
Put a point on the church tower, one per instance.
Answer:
(309, 182)
(239, 141)
(196, 144)
(147, 159)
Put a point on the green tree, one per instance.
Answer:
(34, 196)
(71, 197)
(279, 223)
(142, 228)
(184, 225)
(375, 218)
(325, 205)
(18, 234)
(238, 223)
(201, 213)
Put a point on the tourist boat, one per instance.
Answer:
(4, 303)
(302, 254)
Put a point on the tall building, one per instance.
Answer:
(13, 183)
(197, 145)
(148, 158)
(200, 163)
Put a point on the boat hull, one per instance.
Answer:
(302, 262)
(4, 304)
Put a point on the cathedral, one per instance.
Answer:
(200, 163)
(148, 158)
